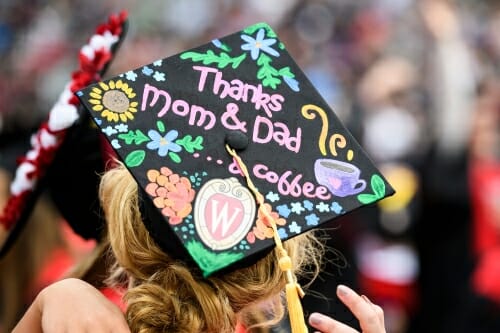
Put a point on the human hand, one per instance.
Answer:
(370, 316)
(72, 305)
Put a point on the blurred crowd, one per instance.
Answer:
(417, 82)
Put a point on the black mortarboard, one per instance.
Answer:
(171, 123)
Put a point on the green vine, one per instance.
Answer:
(136, 137)
(189, 144)
(253, 28)
(268, 74)
(222, 59)
(286, 72)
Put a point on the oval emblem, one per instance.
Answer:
(224, 212)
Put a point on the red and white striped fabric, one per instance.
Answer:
(94, 58)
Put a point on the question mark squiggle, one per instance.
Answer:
(336, 140)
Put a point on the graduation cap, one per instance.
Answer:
(233, 148)
(171, 122)
(65, 145)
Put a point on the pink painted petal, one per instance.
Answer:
(151, 189)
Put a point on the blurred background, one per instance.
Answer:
(416, 81)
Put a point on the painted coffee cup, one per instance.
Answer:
(341, 178)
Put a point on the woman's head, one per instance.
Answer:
(165, 294)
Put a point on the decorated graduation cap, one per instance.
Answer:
(66, 153)
(233, 148)
(172, 121)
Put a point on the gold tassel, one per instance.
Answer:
(293, 290)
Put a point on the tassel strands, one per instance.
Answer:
(293, 290)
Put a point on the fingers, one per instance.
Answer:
(326, 324)
(370, 316)
(72, 305)
(378, 309)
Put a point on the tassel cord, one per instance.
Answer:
(293, 290)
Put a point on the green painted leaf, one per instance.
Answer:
(198, 143)
(222, 60)
(367, 198)
(267, 73)
(136, 137)
(127, 137)
(285, 71)
(141, 137)
(378, 186)
(238, 60)
(252, 29)
(181, 142)
(209, 261)
(271, 82)
(135, 158)
(161, 126)
(225, 47)
(263, 60)
(189, 144)
(174, 157)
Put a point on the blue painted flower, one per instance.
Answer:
(291, 82)
(217, 43)
(220, 45)
(282, 233)
(255, 45)
(147, 71)
(164, 144)
(131, 76)
(312, 219)
(294, 228)
(297, 207)
(273, 197)
(322, 207)
(283, 210)
(159, 76)
(108, 130)
(308, 205)
(336, 207)
(122, 128)
(115, 144)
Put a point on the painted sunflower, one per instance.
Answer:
(114, 101)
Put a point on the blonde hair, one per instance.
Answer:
(165, 295)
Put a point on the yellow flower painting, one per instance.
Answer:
(114, 100)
